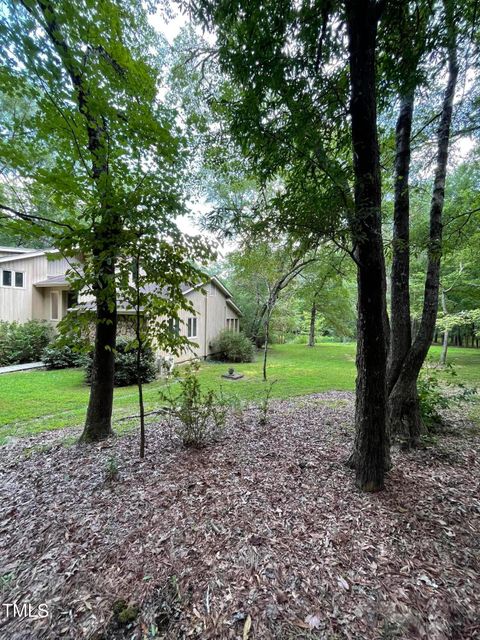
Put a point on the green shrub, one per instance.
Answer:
(126, 365)
(300, 338)
(230, 346)
(62, 355)
(199, 417)
(436, 393)
(21, 343)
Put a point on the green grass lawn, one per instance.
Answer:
(36, 401)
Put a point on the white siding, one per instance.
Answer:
(211, 311)
(30, 302)
(23, 304)
(57, 267)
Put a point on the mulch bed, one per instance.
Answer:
(260, 536)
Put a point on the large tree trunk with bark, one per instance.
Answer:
(313, 317)
(403, 401)
(404, 410)
(369, 455)
(104, 235)
(400, 328)
(98, 423)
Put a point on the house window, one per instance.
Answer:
(6, 278)
(192, 328)
(12, 278)
(72, 299)
(174, 326)
(54, 300)
(232, 324)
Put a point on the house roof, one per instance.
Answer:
(231, 304)
(35, 253)
(53, 281)
(124, 309)
(223, 289)
(16, 250)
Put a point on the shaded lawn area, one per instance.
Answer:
(37, 401)
(263, 529)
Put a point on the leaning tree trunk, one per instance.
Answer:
(313, 317)
(368, 457)
(404, 409)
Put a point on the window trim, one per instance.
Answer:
(174, 326)
(23, 280)
(190, 324)
(233, 325)
(12, 284)
(54, 293)
(11, 272)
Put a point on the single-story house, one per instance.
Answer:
(34, 286)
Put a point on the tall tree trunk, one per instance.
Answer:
(104, 234)
(400, 328)
(443, 355)
(404, 407)
(98, 423)
(370, 446)
(313, 317)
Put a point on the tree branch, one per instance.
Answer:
(30, 217)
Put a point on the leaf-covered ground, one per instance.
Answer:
(261, 536)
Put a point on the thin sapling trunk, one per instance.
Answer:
(443, 355)
(139, 340)
(313, 317)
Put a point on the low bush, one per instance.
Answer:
(62, 355)
(198, 418)
(436, 393)
(126, 365)
(230, 346)
(20, 343)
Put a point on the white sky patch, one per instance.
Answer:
(169, 26)
(463, 146)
